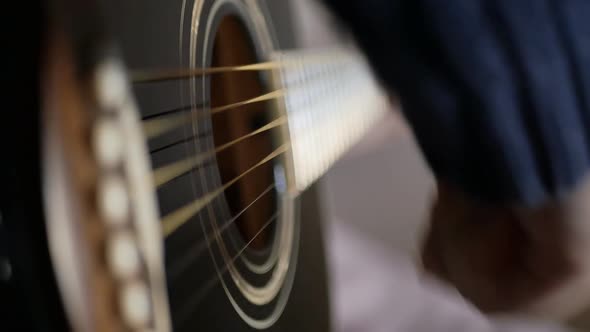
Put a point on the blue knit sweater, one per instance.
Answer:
(497, 92)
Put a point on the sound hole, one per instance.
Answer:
(232, 47)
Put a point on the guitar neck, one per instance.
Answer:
(331, 100)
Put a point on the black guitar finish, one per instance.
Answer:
(146, 33)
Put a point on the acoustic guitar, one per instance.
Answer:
(167, 180)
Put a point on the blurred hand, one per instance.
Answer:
(507, 259)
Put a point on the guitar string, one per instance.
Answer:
(175, 169)
(200, 294)
(173, 110)
(160, 75)
(162, 175)
(204, 110)
(204, 291)
(166, 173)
(202, 202)
(190, 210)
(158, 124)
(196, 250)
(154, 127)
(173, 220)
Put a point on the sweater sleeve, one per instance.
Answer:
(496, 92)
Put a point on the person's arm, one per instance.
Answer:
(498, 96)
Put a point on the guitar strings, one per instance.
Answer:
(173, 220)
(197, 249)
(170, 171)
(173, 170)
(157, 126)
(174, 110)
(164, 174)
(179, 266)
(200, 294)
(159, 75)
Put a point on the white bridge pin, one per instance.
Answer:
(135, 304)
(123, 255)
(114, 201)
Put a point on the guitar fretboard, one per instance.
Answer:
(330, 105)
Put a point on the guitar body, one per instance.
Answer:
(165, 181)
(158, 25)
